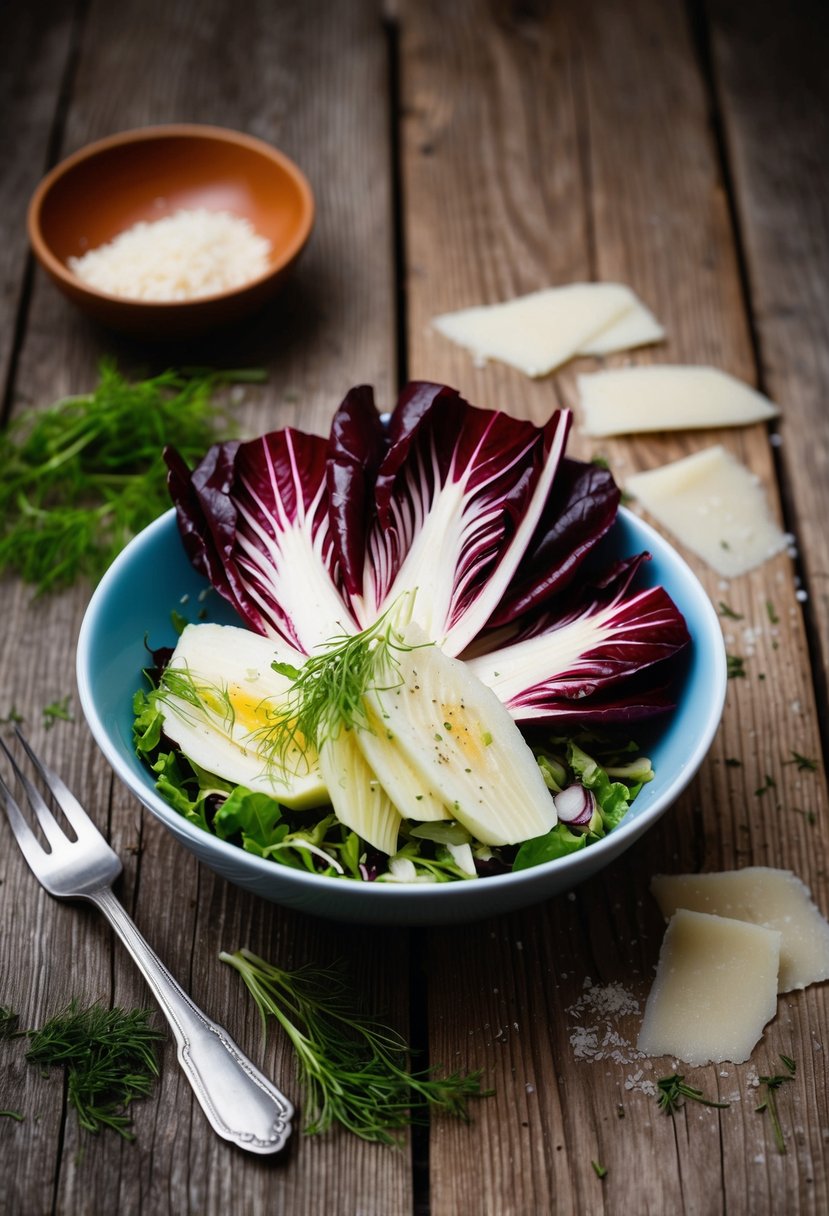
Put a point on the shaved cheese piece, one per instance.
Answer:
(637, 327)
(624, 400)
(715, 989)
(775, 899)
(715, 506)
(538, 332)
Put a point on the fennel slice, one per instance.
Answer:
(463, 745)
(402, 782)
(358, 798)
(220, 698)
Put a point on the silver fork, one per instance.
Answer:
(242, 1105)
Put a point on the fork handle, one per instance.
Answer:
(242, 1105)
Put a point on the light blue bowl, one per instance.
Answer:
(152, 577)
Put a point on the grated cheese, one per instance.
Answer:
(183, 256)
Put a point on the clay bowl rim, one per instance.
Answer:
(284, 256)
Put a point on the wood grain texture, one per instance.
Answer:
(539, 143)
(37, 44)
(770, 73)
(278, 72)
(591, 123)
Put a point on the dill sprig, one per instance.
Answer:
(352, 1070)
(805, 764)
(772, 1084)
(673, 1089)
(109, 1058)
(9, 1023)
(328, 692)
(82, 476)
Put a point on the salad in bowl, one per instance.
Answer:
(434, 661)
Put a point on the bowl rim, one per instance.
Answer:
(149, 134)
(460, 892)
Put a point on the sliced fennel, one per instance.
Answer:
(358, 798)
(220, 698)
(462, 743)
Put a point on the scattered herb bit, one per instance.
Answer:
(58, 711)
(353, 1070)
(599, 1170)
(805, 764)
(735, 666)
(83, 476)
(724, 544)
(601, 462)
(9, 1022)
(673, 1089)
(725, 610)
(771, 614)
(178, 621)
(733, 762)
(13, 717)
(772, 1084)
(12, 1114)
(768, 784)
(109, 1058)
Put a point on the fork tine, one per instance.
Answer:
(64, 797)
(30, 846)
(51, 828)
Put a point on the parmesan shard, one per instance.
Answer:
(775, 899)
(715, 989)
(637, 327)
(536, 333)
(628, 400)
(715, 506)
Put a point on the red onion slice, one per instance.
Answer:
(575, 805)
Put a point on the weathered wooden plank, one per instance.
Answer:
(37, 46)
(545, 144)
(280, 72)
(771, 76)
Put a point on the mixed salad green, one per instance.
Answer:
(608, 773)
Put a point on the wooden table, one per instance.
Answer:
(460, 153)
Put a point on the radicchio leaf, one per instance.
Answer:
(356, 446)
(572, 667)
(259, 510)
(478, 512)
(579, 511)
(458, 497)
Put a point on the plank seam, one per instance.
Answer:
(700, 26)
(53, 147)
(395, 136)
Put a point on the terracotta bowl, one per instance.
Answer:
(152, 172)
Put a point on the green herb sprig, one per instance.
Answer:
(673, 1089)
(109, 1058)
(328, 692)
(805, 764)
(57, 711)
(352, 1070)
(81, 477)
(772, 1085)
(9, 1024)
